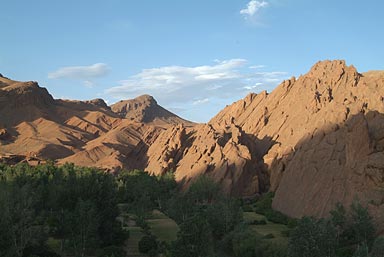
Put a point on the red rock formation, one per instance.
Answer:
(324, 138)
(146, 110)
(87, 133)
(315, 140)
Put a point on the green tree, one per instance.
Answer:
(312, 238)
(245, 243)
(362, 224)
(18, 219)
(147, 244)
(223, 216)
(361, 251)
(6, 246)
(339, 219)
(84, 227)
(378, 247)
(194, 238)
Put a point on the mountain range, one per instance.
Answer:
(315, 140)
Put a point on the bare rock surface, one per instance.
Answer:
(87, 133)
(145, 109)
(322, 138)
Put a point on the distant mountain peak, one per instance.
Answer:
(98, 102)
(145, 109)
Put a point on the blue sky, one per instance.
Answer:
(194, 57)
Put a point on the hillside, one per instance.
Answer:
(315, 140)
(33, 125)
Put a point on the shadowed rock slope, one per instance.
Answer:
(315, 141)
(326, 138)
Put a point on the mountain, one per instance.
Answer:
(315, 140)
(33, 125)
(146, 110)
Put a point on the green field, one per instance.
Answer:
(164, 228)
(251, 216)
(269, 228)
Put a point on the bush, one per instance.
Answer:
(148, 244)
(312, 237)
(164, 247)
(378, 247)
(119, 235)
(245, 243)
(276, 217)
(292, 223)
(264, 204)
(247, 208)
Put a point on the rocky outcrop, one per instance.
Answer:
(322, 138)
(223, 153)
(146, 110)
(315, 141)
(19, 94)
(98, 102)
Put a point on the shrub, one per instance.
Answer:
(378, 247)
(148, 244)
(292, 223)
(247, 208)
(264, 204)
(276, 217)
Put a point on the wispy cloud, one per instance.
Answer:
(256, 67)
(200, 101)
(252, 8)
(84, 73)
(173, 85)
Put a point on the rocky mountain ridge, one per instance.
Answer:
(88, 133)
(315, 140)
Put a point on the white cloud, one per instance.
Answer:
(201, 101)
(81, 72)
(256, 67)
(253, 87)
(252, 8)
(175, 85)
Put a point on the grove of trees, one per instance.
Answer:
(50, 211)
(74, 207)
